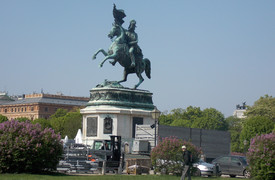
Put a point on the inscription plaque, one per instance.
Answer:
(91, 126)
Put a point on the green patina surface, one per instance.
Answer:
(125, 50)
(113, 94)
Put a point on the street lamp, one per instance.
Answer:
(155, 116)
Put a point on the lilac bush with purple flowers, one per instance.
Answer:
(167, 155)
(25, 147)
(261, 156)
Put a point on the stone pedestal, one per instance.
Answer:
(115, 110)
(239, 113)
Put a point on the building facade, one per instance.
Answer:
(41, 105)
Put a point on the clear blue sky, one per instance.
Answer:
(204, 53)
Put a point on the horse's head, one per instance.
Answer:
(115, 31)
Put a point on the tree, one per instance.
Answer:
(57, 120)
(181, 117)
(234, 127)
(194, 117)
(59, 113)
(253, 126)
(181, 123)
(211, 119)
(72, 122)
(165, 119)
(66, 123)
(188, 117)
(3, 118)
(191, 113)
(58, 124)
(45, 123)
(265, 106)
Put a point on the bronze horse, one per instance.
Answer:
(119, 52)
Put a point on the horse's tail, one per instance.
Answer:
(147, 68)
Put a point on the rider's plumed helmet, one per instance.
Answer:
(132, 24)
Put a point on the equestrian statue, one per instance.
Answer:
(125, 50)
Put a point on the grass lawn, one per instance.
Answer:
(98, 177)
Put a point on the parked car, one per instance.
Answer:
(204, 168)
(232, 165)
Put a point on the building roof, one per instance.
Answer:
(4, 98)
(49, 100)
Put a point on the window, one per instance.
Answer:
(11, 109)
(224, 159)
(235, 160)
(6, 110)
(46, 109)
(91, 126)
(32, 108)
(22, 109)
(99, 145)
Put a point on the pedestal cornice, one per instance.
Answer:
(116, 95)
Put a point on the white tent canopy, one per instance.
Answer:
(78, 137)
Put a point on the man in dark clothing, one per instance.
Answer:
(187, 163)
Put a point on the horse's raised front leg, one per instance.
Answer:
(112, 56)
(100, 50)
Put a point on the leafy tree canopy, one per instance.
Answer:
(66, 123)
(253, 126)
(45, 123)
(72, 122)
(234, 127)
(265, 106)
(181, 117)
(211, 119)
(194, 117)
(3, 118)
(59, 113)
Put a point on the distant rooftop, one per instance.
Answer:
(47, 98)
(4, 98)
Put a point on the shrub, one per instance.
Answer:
(261, 156)
(167, 155)
(25, 147)
(3, 118)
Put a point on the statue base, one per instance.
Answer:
(115, 110)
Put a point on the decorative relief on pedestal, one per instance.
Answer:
(108, 125)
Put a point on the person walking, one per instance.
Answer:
(187, 163)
